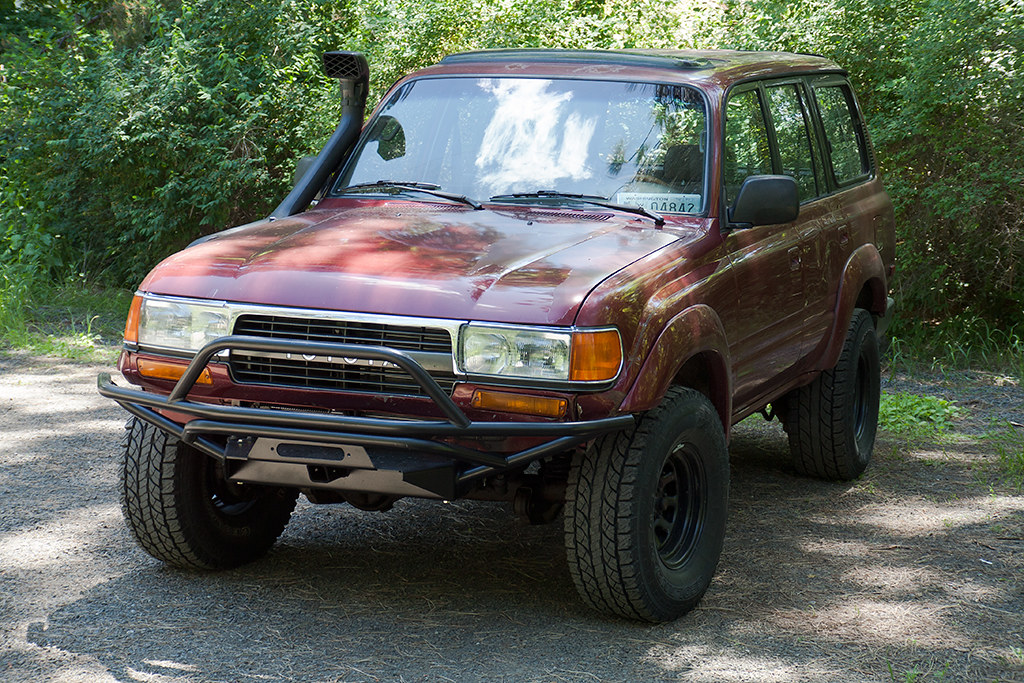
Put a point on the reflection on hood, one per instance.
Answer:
(505, 266)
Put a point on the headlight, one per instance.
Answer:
(577, 355)
(181, 325)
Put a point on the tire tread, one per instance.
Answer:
(603, 556)
(817, 416)
(156, 511)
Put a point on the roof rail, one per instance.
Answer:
(622, 57)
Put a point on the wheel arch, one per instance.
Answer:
(691, 351)
(863, 285)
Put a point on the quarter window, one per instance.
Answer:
(846, 147)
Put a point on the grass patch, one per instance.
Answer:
(929, 419)
(71, 319)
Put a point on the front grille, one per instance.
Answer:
(276, 369)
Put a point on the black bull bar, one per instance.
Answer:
(243, 425)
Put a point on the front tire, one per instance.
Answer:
(831, 422)
(645, 511)
(181, 509)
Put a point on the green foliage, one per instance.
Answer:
(960, 341)
(130, 127)
(401, 37)
(912, 414)
(13, 294)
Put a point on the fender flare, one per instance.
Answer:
(695, 331)
(863, 268)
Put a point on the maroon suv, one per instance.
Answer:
(554, 278)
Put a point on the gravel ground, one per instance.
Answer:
(913, 572)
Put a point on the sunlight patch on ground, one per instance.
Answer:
(146, 677)
(921, 516)
(56, 543)
(23, 438)
(166, 664)
(77, 674)
(697, 663)
(12, 461)
(890, 579)
(894, 623)
(55, 564)
(66, 405)
(839, 548)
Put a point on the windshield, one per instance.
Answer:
(638, 144)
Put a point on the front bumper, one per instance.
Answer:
(383, 455)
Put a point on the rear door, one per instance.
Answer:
(843, 216)
(799, 155)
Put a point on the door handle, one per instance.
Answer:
(844, 235)
(794, 258)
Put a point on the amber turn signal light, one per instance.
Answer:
(525, 404)
(131, 327)
(596, 356)
(158, 369)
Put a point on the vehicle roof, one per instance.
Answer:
(719, 67)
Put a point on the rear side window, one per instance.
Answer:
(747, 151)
(845, 144)
(792, 135)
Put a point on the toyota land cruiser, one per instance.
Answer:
(554, 278)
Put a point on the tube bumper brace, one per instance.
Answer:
(400, 456)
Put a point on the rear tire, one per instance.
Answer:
(645, 511)
(182, 510)
(832, 421)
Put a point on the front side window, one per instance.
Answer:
(631, 143)
(747, 151)
(846, 147)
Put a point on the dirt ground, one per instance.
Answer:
(912, 573)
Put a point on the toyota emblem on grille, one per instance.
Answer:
(361, 362)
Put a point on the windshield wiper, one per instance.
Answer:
(427, 188)
(597, 200)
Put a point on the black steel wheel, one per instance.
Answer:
(646, 509)
(680, 505)
(831, 422)
(182, 509)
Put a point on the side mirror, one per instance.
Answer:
(765, 200)
(302, 166)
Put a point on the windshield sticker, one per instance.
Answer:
(661, 201)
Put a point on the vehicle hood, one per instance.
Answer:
(509, 264)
